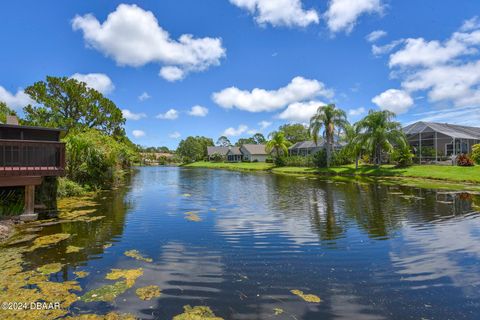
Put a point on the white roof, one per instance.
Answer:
(451, 130)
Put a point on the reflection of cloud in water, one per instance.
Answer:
(425, 256)
(182, 273)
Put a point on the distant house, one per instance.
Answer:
(254, 152)
(305, 148)
(432, 140)
(234, 154)
(217, 150)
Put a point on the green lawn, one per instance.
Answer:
(247, 166)
(446, 173)
(450, 173)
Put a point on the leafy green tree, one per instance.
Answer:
(295, 132)
(223, 141)
(70, 104)
(476, 153)
(193, 148)
(259, 138)
(5, 111)
(378, 133)
(330, 119)
(243, 141)
(279, 144)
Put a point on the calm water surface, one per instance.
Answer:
(368, 251)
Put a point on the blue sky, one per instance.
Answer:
(235, 67)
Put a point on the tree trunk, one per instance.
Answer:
(356, 162)
(329, 151)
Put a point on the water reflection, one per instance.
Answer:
(369, 251)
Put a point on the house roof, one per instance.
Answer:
(234, 151)
(451, 130)
(257, 149)
(220, 150)
(14, 126)
(306, 145)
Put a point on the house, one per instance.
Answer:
(234, 154)
(436, 141)
(27, 156)
(305, 148)
(217, 150)
(254, 152)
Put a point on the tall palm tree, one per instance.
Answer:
(278, 143)
(354, 145)
(330, 119)
(378, 132)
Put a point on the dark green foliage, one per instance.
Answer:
(46, 193)
(11, 201)
(217, 157)
(476, 153)
(67, 103)
(342, 157)
(295, 132)
(299, 161)
(280, 161)
(69, 188)
(223, 142)
(193, 149)
(97, 160)
(403, 157)
(243, 141)
(463, 160)
(5, 111)
(320, 159)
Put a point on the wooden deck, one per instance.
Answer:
(31, 158)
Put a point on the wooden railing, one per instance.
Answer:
(31, 158)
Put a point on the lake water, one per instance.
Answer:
(368, 251)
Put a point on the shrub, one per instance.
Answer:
(403, 157)
(464, 160)
(476, 153)
(95, 159)
(342, 157)
(255, 160)
(69, 188)
(299, 161)
(320, 159)
(217, 157)
(269, 160)
(280, 161)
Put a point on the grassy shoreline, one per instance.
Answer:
(425, 176)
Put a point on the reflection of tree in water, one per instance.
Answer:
(91, 236)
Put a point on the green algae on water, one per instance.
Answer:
(135, 254)
(148, 293)
(130, 275)
(106, 293)
(50, 268)
(108, 316)
(307, 297)
(73, 249)
(277, 311)
(81, 274)
(46, 241)
(197, 313)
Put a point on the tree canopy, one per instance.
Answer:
(67, 103)
(223, 141)
(5, 111)
(194, 148)
(295, 132)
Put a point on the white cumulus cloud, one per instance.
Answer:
(198, 111)
(356, 112)
(171, 114)
(258, 100)
(394, 100)
(129, 115)
(144, 96)
(132, 36)
(15, 101)
(233, 132)
(264, 124)
(174, 135)
(279, 12)
(98, 81)
(300, 111)
(375, 35)
(342, 15)
(138, 133)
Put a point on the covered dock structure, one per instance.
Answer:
(434, 142)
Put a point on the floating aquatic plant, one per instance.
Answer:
(46, 241)
(73, 249)
(186, 195)
(106, 293)
(135, 254)
(277, 311)
(130, 275)
(192, 216)
(148, 293)
(81, 274)
(108, 316)
(50, 268)
(21, 239)
(107, 245)
(197, 313)
(307, 297)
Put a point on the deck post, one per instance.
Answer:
(29, 213)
